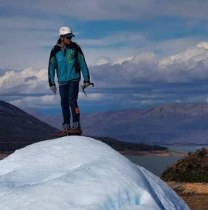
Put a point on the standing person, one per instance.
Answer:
(67, 61)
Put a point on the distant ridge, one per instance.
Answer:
(18, 129)
(167, 124)
(170, 124)
(130, 148)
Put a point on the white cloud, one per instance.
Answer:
(29, 87)
(36, 101)
(185, 66)
(203, 45)
(121, 52)
(94, 96)
(26, 81)
(145, 58)
(195, 54)
(188, 66)
(103, 60)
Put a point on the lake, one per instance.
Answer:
(154, 164)
(158, 164)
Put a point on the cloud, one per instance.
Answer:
(36, 101)
(23, 82)
(139, 52)
(118, 38)
(103, 60)
(105, 28)
(188, 66)
(143, 79)
(191, 65)
(109, 10)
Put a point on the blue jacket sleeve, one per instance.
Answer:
(51, 69)
(83, 66)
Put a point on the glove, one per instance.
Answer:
(86, 84)
(53, 89)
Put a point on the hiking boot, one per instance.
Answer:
(74, 131)
(66, 126)
(62, 133)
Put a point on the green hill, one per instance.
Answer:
(193, 168)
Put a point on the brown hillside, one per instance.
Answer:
(192, 168)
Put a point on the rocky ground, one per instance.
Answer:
(194, 194)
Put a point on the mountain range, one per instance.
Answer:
(171, 124)
(18, 128)
(168, 124)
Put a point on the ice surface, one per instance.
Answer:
(80, 173)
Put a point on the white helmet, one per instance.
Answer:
(65, 30)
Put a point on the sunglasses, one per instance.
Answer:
(68, 37)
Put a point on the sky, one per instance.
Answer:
(80, 173)
(140, 53)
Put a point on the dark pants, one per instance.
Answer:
(69, 95)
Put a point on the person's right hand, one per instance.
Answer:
(53, 89)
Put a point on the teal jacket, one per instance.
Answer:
(67, 63)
